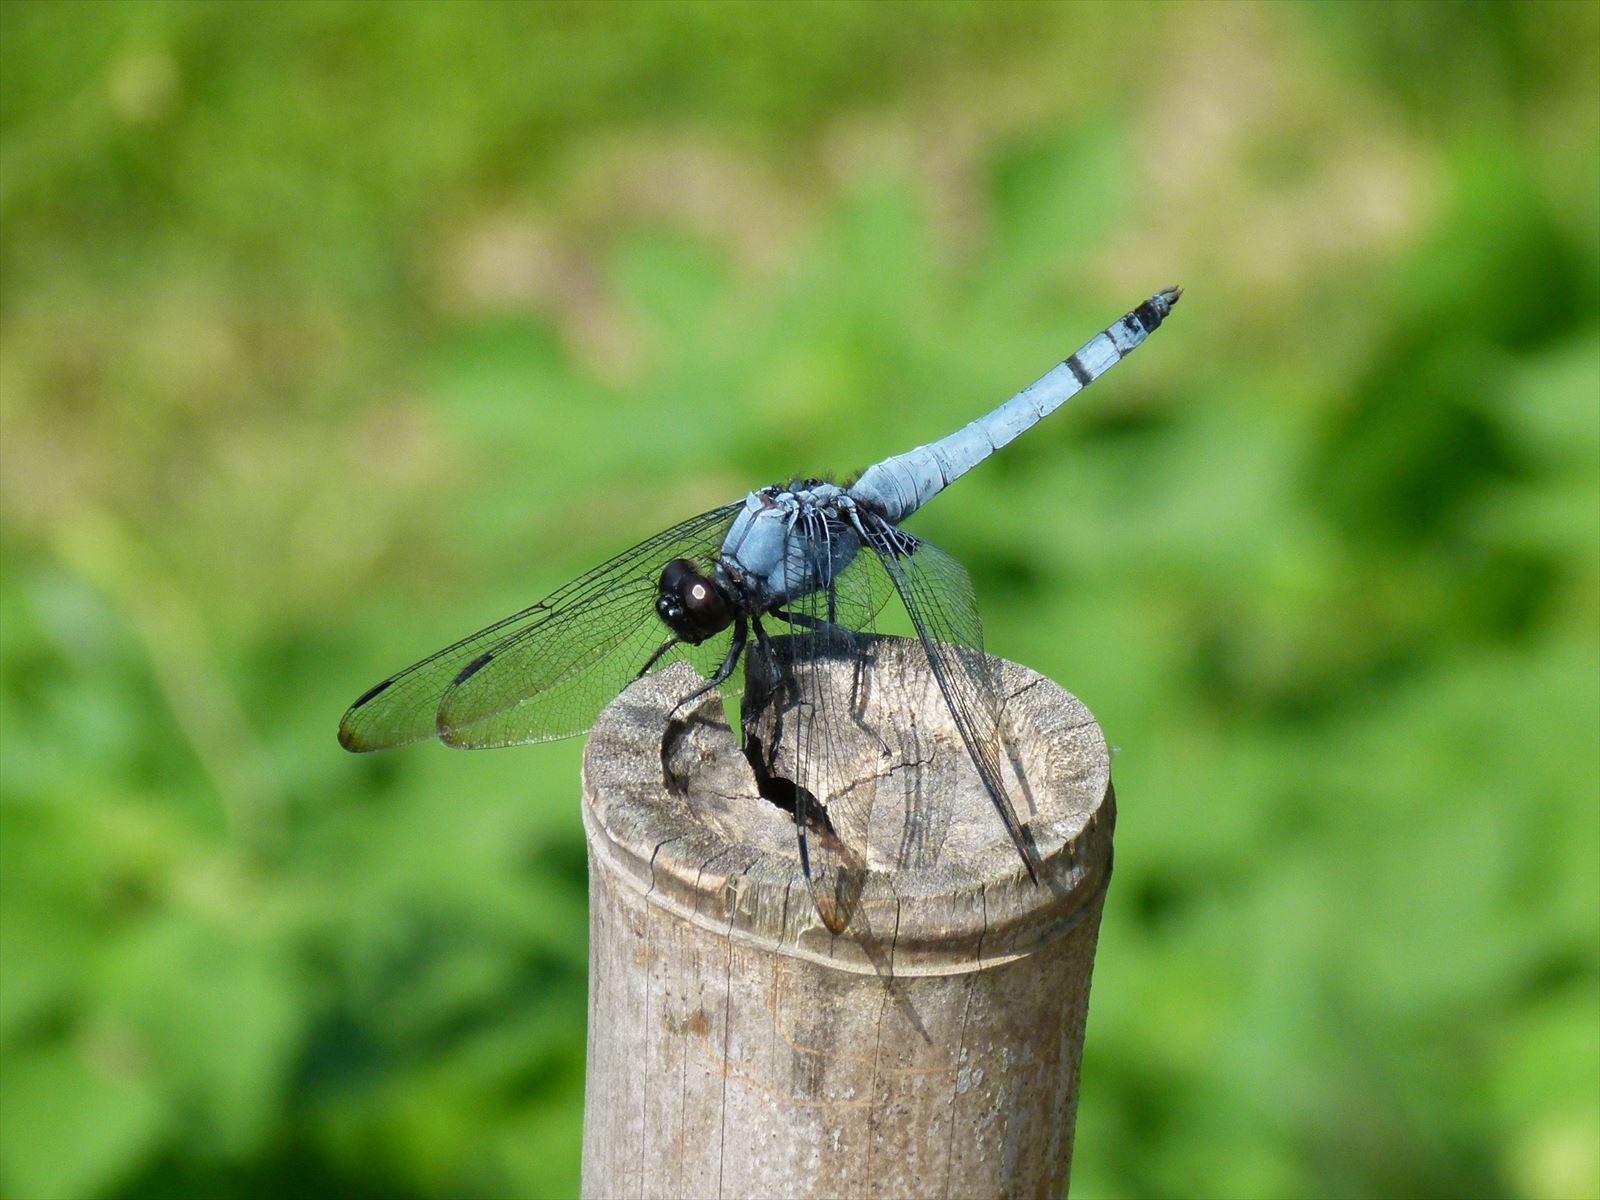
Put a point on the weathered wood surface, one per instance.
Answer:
(737, 1048)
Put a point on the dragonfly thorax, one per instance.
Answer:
(789, 542)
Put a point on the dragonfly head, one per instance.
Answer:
(691, 604)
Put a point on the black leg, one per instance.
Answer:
(761, 633)
(740, 636)
(799, 620)
(783, 678)
(806, 621)
(655, 658)
(735, 652)
(776, 682)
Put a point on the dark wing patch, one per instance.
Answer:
(371, 692)
(473, 667)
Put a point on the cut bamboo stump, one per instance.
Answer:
(738, 1048)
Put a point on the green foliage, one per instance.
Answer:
(330, 331)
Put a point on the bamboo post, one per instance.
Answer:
(739, 1049)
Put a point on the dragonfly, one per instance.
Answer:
(794, 573)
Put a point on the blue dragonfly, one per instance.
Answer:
(820, 558)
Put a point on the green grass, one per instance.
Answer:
(329, 332)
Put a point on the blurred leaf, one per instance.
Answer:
(78, 1120)
(219, 1019)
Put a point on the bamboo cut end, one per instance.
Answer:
(674, 808)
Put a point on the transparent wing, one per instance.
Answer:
(806, 684)
(938, 596)
(542, 673)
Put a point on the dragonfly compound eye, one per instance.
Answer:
(690, 604)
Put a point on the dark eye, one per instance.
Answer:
(690, 604)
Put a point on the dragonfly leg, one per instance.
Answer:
(655, 658)
(779, 667)
(783, 693)
(735, 651)
(816, 624)
(800, 620)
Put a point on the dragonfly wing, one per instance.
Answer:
(938, 596)
(806, 697)
(542, 673)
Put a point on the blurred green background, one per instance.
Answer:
(329, 332)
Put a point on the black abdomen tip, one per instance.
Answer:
(1153, 311)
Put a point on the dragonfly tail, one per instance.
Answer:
(898, 486)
